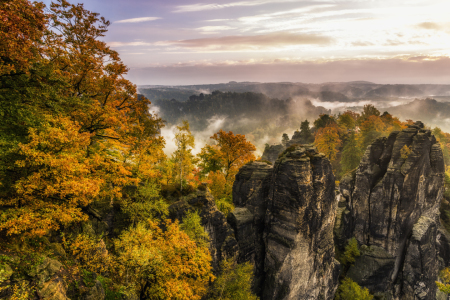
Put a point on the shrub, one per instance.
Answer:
(225, 205)
(191, 225)
(91, 253)
(351, 252)
(234, 282)
(350, 290)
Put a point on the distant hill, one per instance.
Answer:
(429, 111)
(260, 118)
(329, 91)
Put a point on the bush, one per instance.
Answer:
(145, 203)
(351, 252)
(91, 253)
(350, 290)
(234, 282)
(191, 225)
(225, 205)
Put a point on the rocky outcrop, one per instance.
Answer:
(222, 241)
(392, 204)
(284, 223)
(271, 153)
(250, 193)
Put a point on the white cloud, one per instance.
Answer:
(218, 20)
(213, 29)
(121, 44)
(138, 20)
(204, 6)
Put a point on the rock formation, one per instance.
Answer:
(392, 209)
(284, 221)
(222, 241)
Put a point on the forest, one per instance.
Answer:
(76, 141)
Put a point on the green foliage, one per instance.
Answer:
(108, 286)
(183, 157)
(350, 290)
(145, 203)
(444, 276)
(369, 110)
(225, 205)
(191, 225)
(351, 154)
(324, 121)
(305, 132)
(88, 278)
(351, 252)
(234, 282)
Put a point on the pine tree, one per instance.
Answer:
(305, 132)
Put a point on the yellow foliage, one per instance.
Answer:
(162, 264)
(91, 253)
(327, 141)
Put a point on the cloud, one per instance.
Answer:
(121, 44)
(217, 20)
(253, 42)
(201, 137)
(138, 20)
(429, 26)
(212, 6)
(362, 44)
(213, 29)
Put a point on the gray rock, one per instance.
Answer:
(54, 289)
(45, 270)
(393, 203)
(290, 239)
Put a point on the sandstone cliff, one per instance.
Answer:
(392, 209)
(284, 221)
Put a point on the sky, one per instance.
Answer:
(181, 42)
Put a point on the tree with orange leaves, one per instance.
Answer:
(235, 151)
(328, 141)
(22, 26)
(74, 129)
(222, 161)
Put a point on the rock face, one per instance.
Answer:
(392, 209)
(222, 241)
(284, 224)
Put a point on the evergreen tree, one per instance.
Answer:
(305, 132)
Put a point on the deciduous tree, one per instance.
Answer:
(327, 141)
(183, 156)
